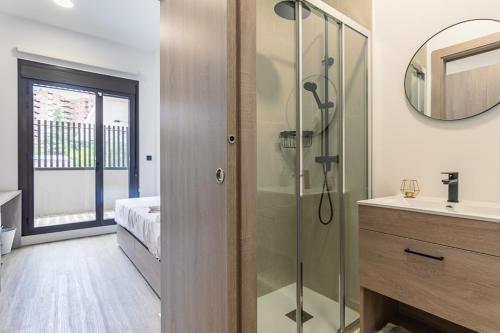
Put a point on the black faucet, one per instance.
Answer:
(452, 183)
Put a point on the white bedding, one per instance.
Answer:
(133, 215)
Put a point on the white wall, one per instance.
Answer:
(16, 32)
(405, 143)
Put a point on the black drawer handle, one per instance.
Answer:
(424, 255)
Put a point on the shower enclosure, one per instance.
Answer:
(312, 165)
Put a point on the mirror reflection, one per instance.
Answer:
(454, 75)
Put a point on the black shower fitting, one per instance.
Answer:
(311, 86)
(325, 160)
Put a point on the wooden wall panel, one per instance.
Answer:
(248, 165)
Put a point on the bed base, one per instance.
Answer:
(145, 262)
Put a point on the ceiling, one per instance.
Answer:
(134, 23)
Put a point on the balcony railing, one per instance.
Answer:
(69, 145)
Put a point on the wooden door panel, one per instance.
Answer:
(194, 117)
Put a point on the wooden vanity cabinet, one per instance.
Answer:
(423, 268)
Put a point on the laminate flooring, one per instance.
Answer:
(86, 285)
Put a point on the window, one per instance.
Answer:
(78, 141)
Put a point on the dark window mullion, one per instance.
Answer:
(100, 165)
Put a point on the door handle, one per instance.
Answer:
(220, 176)
(439, 258)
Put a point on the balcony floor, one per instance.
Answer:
(45, 221)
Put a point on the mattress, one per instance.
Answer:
(135, 216)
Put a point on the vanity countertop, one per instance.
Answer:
(475, 210)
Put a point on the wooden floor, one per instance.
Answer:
(78, 286)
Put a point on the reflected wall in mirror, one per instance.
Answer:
(454, 75)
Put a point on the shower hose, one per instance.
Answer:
(325, 191)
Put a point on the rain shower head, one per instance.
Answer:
(286, 10)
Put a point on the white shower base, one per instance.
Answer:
(272, 307)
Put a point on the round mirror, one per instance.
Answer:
(456, 73)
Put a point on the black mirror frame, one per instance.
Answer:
(415, 54)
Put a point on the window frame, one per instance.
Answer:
(30, 73)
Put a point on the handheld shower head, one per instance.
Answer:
(310, 86)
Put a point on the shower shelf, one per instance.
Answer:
(289, 139)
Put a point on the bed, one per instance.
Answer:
(138, 235)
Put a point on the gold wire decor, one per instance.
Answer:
(410, 188)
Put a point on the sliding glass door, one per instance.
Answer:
(77, 147)
(115, 147)
(312, 165)
(64, 157)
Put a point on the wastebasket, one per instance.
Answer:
(7, 239)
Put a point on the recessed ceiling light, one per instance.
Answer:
(65, 3)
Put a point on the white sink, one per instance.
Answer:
(476, 210)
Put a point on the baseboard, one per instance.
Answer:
(65, 235)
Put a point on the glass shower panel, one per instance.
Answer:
(312, 120)
(320, 197)
(276, 151)
(356, 158)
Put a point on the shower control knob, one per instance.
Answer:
(220, 175)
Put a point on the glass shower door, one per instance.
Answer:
(276, 256)
(321, 187)
(312, 166)
(356, 154)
